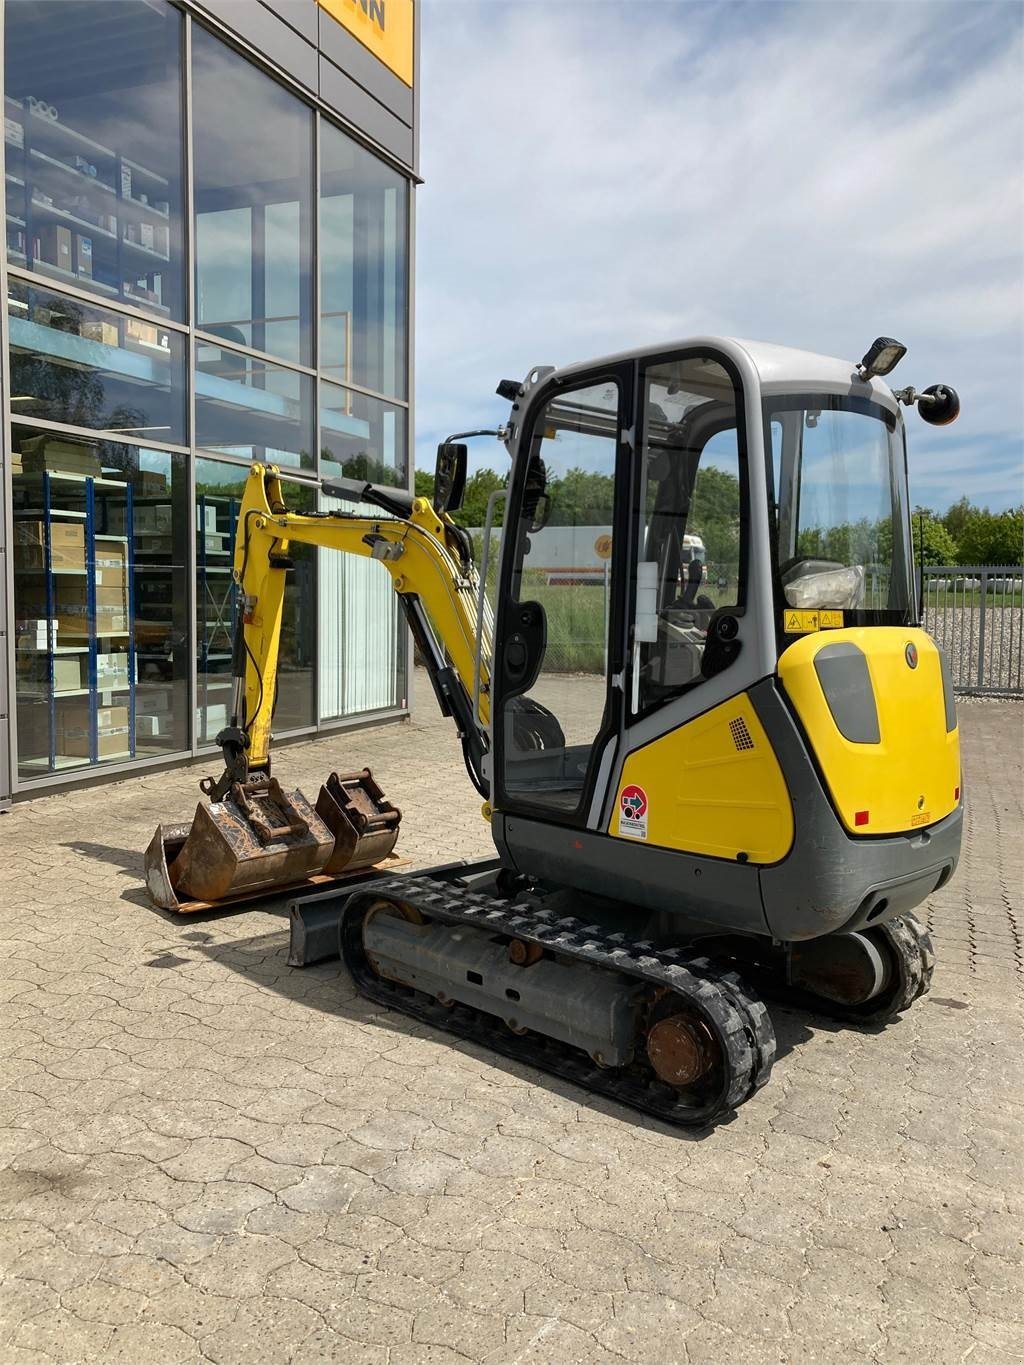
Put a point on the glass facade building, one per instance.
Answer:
(208, 223)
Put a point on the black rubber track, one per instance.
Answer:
(737, 1018)
(907, 945)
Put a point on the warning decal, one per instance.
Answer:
(803, 622)
(633, 812)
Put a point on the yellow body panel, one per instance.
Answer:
(911, 778)
(713, 787)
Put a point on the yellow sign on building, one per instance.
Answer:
(383, 26)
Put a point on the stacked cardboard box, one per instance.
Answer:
(71, 607)
(57, 455)
(112, 671)
(67, 545)
(33, 671)
(73, 729)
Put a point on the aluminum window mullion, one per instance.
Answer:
(315, 357)
(96, 433)
(42, 282)
(8, 683)
(189, 254)
(207, 338)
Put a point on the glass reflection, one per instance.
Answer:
(364, 211)
(247, 408)
(100, 602)
(253, 204)
(219, 490)
(94, 146)
(361, 437)
(90, 367)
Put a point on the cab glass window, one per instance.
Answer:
(690, 541)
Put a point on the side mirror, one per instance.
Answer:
(450, 476)
(939, 405)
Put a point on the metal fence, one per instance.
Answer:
(975, 613)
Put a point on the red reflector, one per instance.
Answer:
(861, 818)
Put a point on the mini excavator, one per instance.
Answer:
(707, 779)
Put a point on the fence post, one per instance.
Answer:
(981, 630)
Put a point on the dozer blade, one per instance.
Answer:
(361, 819)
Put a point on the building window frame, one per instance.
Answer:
(193, 451)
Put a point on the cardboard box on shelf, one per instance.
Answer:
(148, 483)
(56, 455)
(33, 673)
(109, 744)
(33, 634)
(111, 554)
(154, 519)
(113, 578)
(73, 714)
(144, 332)
(55, 245)
(67, 545)
(14, 133)
(153, 700)
(112, 669)
(151, 726)
(126, 182)
(100, 331)
(62, 533)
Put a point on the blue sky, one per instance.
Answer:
(601, 175)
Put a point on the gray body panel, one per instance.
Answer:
(706, 892)
(842, 671)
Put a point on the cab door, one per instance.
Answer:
(560, 619)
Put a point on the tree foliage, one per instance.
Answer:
(964, 534)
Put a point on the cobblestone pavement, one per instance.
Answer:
(208, 1156)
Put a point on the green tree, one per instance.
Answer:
(939, 545)
(992, 538)
(956, 518)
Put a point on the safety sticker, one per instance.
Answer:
(633, 812)
(803, 622)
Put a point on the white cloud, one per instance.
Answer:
(606, 175)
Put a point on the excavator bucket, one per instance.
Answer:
(362, 820)
(260, 840)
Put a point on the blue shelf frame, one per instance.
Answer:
(93, 635)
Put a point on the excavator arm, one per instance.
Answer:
(254, 836)
(431, 569)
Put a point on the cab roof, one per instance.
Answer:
(779, 368)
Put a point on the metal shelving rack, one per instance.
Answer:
(124, 258)
(47, 513)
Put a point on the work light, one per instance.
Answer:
(881, 357)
